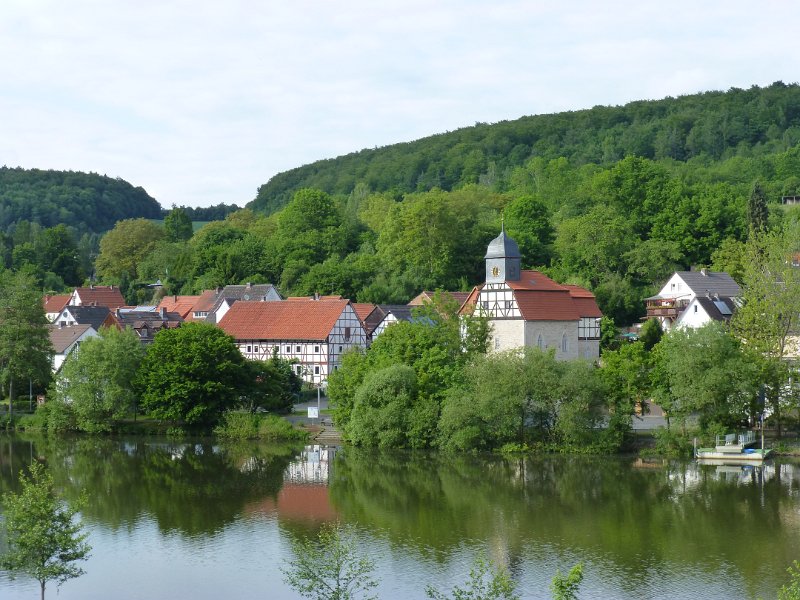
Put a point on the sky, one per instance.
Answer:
(200, 102)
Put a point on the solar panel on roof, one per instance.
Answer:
(723, 308)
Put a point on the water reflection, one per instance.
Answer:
(653, 529)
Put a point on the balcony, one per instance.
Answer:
(665, 308)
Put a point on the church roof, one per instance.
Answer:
(503, 247)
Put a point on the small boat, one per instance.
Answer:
(735, 447)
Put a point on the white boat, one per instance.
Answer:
(734, 447)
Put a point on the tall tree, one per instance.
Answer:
(44, 537)
(98, 381)
(125, 246)
(757, 211)
(192, 374)
(25, 348)
(178, 225)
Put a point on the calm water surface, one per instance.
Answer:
(202, 520)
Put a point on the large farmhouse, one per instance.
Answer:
(315, 334)
(527, 308)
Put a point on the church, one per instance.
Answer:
(527, 308)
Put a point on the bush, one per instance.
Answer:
(670, 442)
(248, 426)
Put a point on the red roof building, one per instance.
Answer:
(183, 305)
(313, 334)
(97, 295)
(527, 308)
(54, 305)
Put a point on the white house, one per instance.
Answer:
(67, 339)
(263, 292)
(527, 308)
(315, 334)
(704, 309)
(683, 287)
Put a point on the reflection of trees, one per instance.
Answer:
(593, 507)
(191, 488)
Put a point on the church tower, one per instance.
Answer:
(503, 260)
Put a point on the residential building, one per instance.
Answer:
(683, 287)
(704, 309)
(97, 295)
(148, 322)
(249, 292)
(528, 309)
(96, 316)
(313, 335)
(53, 305)
(183, 305)
(67, 339)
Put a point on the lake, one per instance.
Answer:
(205, 520)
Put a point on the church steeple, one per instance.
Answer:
(503, 259)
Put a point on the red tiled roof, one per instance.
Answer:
(584, 301)
(205, 301)
(362, 309)
(546, 305)
(101, 295)
(63, 337)
(182, 305)
(468, 306)
(534, 280)
(282, 320)
(54, 304)
(312, 298)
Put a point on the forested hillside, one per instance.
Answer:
(699, 128)
(88, 202)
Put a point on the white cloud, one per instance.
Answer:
(200, 102)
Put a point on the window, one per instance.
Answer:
(346, 333)
(298, 369)
(316, 349)
(288, 348)
(497, 343)
(297, 349)
(564, 343)
(316, 370)
(589, 328)
(509, 304)
(695, 308)
(340, 348)
(540, 342)
(249, 349)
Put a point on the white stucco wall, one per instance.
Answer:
(693, 316)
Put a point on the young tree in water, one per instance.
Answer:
(44, 539)
(565, 587)
(329, 568)
(486, 582)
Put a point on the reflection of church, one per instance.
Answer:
(527, 308)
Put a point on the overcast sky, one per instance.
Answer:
(200, 102)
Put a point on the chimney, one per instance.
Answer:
(249, 285)
(316, 295)
(61, 324)
(175, 298)
(163, 312)
(704, 272)
(91, 286)
(111, 287)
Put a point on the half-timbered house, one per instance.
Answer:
(312, 334)
(527, 308)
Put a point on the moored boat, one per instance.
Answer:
(735, 447)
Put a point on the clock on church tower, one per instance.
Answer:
(503, 260)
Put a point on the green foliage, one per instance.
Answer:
(697, 128)
(522, 397)
(757, 211)
(791, 590)
(271, 385)
(192, 374)
(565, 587)
(85, 201)
(704, 371)
(25, 349)
(675, 443)
(125, 246)
(383, 408)
(98, 381)
(486, 582)
(650, 333)
(247, 426)
(44, 539)
(178, 225)
(329, 568)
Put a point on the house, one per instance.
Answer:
(54, 305)
(704, 309)
(97, 295)
(685, 286)
(203, 305)
(312, 334)
(249, 292)
(427, 296)
(527, 308)
(387, 314)
(147, 322)
(67, 339)
(96, 316)
(183, 305)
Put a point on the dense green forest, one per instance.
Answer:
(87, 202)
(702, 128)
